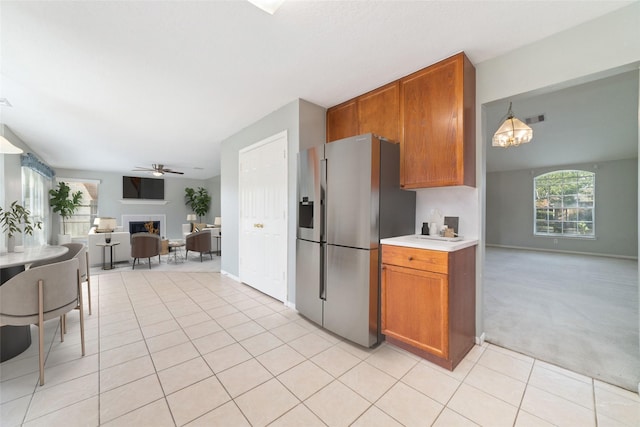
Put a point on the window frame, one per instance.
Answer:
(93, 209)
(559, 214)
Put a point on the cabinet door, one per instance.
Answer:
(342, 121)
(431, 113)
(379, 112)
(415, 308)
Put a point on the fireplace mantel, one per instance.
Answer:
(143, 202)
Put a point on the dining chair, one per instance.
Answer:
(42, 293)
(79, 251)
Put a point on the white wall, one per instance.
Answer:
(305, 126)
(509, 220)
(597, 48)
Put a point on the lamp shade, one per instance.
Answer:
(512, 133)
(191, 217)
(96, 221)
(106, 224)
(217, 221)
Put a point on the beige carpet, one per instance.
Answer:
(577, 312)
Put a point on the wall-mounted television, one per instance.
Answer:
(134, 187)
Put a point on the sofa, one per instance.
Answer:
(216, 241)
(121, 252)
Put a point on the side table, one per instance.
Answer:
(175, 245)
(110, 246)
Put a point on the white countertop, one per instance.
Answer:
(423, 242)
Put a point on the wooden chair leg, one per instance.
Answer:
(81, 312)
(89, 293)
(88, 281)
(41, 329)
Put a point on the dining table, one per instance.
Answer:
(16, 339)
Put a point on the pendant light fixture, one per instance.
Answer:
(512, 133)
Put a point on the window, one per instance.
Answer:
(35, 188)
(564, 203)
(81, 221)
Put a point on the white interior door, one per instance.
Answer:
(263, 216)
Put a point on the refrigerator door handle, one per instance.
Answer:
(323, 271)
(323, 200)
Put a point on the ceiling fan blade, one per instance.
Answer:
(157, 168)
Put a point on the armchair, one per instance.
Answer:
(145, 245)
(199, 242)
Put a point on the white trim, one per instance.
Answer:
(560, 251)
(480, 339)
(90, 181)
(143, 202)
(266, 141)
(230, 276)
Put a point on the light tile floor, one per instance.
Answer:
(199, 349)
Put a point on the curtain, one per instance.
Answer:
(35, 196)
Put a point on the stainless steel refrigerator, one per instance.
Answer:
(349, 198)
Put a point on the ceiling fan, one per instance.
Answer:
(157, 170)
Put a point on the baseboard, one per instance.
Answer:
(524, 248)
(230, 276)
(290, 305)
(480, 340)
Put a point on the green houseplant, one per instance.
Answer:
(12, 218)
(63, 204)
(199, 200)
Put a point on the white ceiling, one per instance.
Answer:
(113, 85)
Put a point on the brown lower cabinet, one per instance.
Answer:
(428, 302)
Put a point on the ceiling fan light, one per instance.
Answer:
(157, 173)
(512, 133)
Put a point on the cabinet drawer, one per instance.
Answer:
(421, 259)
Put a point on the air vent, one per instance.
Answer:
(534, 119)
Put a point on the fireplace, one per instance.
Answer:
(144, 227)
(136, 223)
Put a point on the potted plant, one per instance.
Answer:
(199, 200)
(12, 218)
(65, 206)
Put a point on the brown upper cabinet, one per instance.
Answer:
(437, 112)
(342, 121)
(376, 112)
(430, 112)
(379, 112)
